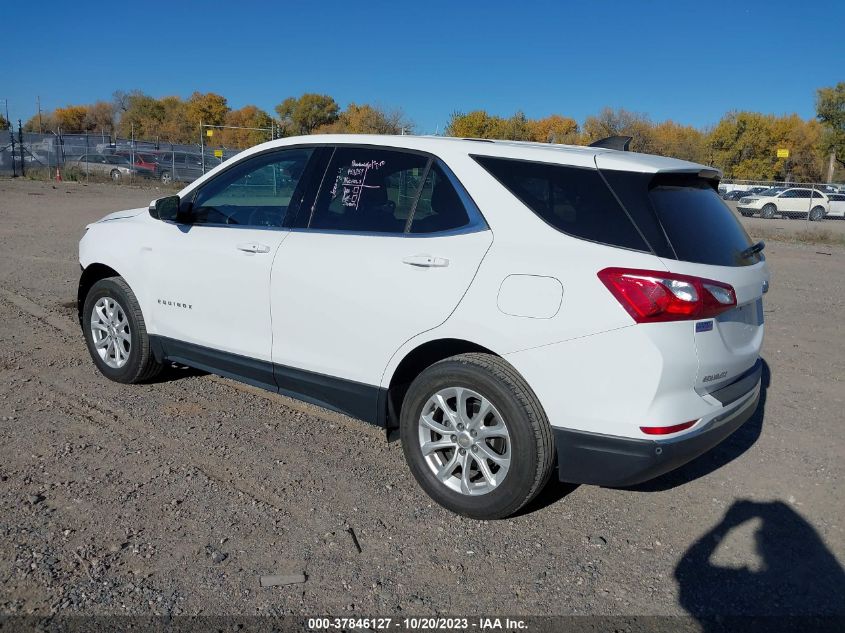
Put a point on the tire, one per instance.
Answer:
(816, 214)
(768, 211)
(520, 441)
(166, 178)
(746, 214)
(115, 175)
(110, 308)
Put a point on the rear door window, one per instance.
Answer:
(368, 190)
(573, 200)
(439, 207)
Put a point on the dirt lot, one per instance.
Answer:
(175, 497)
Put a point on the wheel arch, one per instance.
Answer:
(91, 275)
(414, 363)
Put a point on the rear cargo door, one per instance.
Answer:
(704, 238)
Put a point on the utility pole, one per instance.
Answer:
(831, 165)
(20, 141)
(40, 123)
(11, 138)
(202, 149)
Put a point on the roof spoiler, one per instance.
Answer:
(614, 142)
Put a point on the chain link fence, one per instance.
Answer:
(91, 156)
(94, 156)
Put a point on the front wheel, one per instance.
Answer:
(768, 211)
(475, 436)
(115, 175)
(166, 178)
(116, 334)
(816, 214)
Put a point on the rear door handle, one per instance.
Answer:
(426, 261)
(253, 247)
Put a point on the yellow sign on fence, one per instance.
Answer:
(783, 153)
(211, 133)
(218, 153)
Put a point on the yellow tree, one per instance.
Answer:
(554, 129)
(208, 108)
(679, 141)
(367, 119)
(249, 116)
(71, 118)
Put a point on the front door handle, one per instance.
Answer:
(426, 261)
(253, 247)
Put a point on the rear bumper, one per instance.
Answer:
(607, 460)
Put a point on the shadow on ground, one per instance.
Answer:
(796, 583)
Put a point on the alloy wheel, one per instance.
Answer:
(465, 441)
(110, 332)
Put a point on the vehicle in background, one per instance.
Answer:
(183, 166)
(144, 162)
(736, 194)
(837, 206)
(116, 167)
(790, 203)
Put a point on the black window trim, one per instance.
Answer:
(476, 221)
(649, 248)
(189, 198)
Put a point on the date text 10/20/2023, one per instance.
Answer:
(418, 624)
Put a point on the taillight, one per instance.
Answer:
(652, 296)
(667, 430)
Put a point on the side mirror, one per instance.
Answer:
(166, 209)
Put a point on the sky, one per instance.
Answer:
(688, 61)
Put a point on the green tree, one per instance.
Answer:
(305, 114)
(830, 111)
(142, 114)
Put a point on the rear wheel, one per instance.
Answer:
(768, 211)
(115, 174)
(475, 436)
(816, 214)
(116, 334)
(166, 178)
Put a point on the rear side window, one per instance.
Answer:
(439, 207)
(700, 227)
(573, 200)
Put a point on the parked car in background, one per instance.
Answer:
(183, 166)
(837, 206)
(790, 203)
(114, 166)
(144, 162)
(736, 194)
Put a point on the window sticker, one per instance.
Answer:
(352, 179)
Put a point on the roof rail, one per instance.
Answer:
(614, 142)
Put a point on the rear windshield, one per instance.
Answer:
(698, 224)
(573, 200)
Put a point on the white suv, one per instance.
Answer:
(508, 309)
(791, 203)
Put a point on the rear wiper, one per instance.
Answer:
(753, 249)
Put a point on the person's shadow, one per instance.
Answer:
(798, 583)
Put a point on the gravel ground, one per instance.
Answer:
(175, 497)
